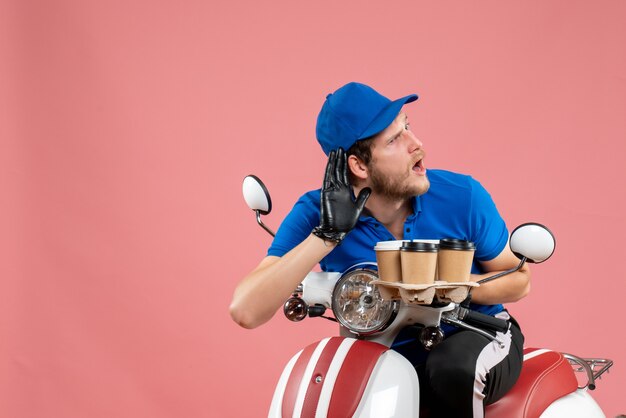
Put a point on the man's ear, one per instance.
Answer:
(357, 167)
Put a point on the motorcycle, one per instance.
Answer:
(357, 374)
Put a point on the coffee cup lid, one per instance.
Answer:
(456, 244)
(388, 245)
(432, 241)
(422, 247)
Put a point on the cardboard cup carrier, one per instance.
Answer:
(455, 260)
(388, 259)
(419, 262)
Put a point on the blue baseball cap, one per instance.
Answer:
(354, 112)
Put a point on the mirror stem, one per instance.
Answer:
(260, 222)
(468, 299)
(503, 273)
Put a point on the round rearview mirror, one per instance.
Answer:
(256, 195)
(533, 241)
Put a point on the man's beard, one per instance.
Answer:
(394, 187)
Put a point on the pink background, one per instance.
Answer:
(127, 127)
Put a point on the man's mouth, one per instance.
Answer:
(419, 167)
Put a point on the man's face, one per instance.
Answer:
(396, 170)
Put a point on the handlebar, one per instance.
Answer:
(483, 321)
(475, 321)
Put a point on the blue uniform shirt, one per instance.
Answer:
(455, 206)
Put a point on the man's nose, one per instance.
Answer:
(414, 142)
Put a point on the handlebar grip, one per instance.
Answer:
(483, 321)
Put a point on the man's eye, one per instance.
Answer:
(407, 127)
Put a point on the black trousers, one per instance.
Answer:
(466, 371)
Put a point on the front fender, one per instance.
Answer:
(345, 377)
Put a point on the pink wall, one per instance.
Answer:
(127, 128)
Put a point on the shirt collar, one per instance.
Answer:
(417, 207)
(416, 203)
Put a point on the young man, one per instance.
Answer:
(395, 199)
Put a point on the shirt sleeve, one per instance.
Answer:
(488, 229)
(303, 217)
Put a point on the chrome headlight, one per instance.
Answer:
(358, 306)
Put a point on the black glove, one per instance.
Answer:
(338, 213)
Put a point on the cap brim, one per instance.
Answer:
(386, 116)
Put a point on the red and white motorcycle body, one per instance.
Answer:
(346, 377)
(362, 377)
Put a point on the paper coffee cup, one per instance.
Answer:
(419, 262)
(430, 241)
(388, 259)
(455, 260)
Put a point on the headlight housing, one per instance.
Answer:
(358, 305)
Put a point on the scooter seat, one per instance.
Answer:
(546, 376)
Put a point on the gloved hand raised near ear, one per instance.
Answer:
(338, 212)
